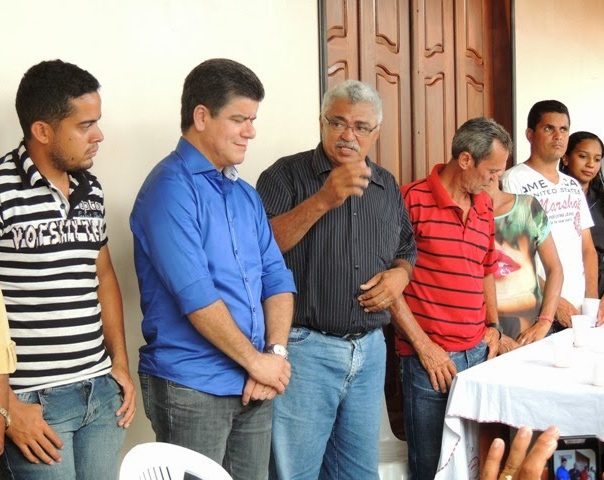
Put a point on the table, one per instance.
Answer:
(522, 387)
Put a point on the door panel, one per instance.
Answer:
(473, 79)
(391, 63)
(341, 38)
(389, 148)
(434, 83)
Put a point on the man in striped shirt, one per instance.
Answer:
(341, 222)
(71, 396)
(448, 317)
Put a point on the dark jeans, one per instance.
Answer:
(424, 410)
(221, 428)
(5, 473)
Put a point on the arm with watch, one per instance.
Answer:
(278, 312)
(217, 325)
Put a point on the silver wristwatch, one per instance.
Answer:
(277, 349)
(4, 413)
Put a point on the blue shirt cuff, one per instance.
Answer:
(277, 282)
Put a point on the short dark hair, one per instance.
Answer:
(545, 106)
(213, 84)
(476, 136)
(45, 92)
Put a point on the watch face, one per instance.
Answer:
(279, 350)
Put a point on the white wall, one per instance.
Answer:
(141, 51)
(558, 47)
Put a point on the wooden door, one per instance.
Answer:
(436, 63)
(369, 41)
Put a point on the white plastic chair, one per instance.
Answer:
(393, 452)
(164, 461)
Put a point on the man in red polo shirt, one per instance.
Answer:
(448, 318)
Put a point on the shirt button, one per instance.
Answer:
(356, 267)
(63, 206)
(354, 213)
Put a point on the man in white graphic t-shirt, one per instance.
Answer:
(564, 202)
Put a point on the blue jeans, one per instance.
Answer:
(5, 473)
(326, 424)
(221, 428)
(83, 415)
(424, 410)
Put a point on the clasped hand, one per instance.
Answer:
(269, 376)
(381, 290)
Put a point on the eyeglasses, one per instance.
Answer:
(358, 129)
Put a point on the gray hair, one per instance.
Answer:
(355, 92)
(476, 137)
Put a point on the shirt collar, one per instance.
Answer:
(321, 164)
(27, 170)
(31, 176)
(196, 162)
(480, 201)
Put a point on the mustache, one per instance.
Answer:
(344, 144)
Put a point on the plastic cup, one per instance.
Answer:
(590, 308)
(581, 327)
(563, 352)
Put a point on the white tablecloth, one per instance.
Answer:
(519, 388)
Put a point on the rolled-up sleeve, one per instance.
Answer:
(276, 277)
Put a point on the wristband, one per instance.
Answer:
(547, 318)
(497, 327)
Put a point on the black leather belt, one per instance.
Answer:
(346, 336)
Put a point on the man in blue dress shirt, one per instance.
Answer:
(215, 292)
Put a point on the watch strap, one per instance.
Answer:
(4, 413)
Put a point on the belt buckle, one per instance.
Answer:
(353, 336)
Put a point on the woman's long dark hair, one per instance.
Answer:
(596, 184)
